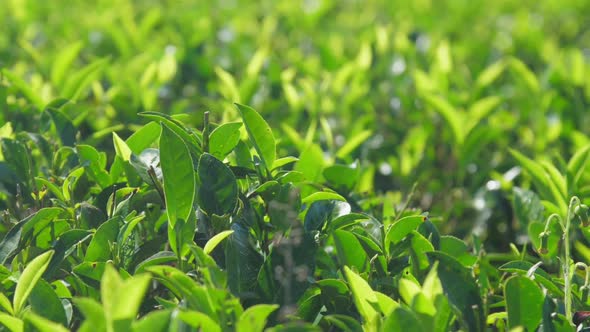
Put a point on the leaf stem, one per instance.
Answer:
(575, 201)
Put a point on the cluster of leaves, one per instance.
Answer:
(127, 207)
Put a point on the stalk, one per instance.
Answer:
(566, 264)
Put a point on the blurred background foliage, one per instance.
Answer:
(426, 92)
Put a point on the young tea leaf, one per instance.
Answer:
(179, 176)
(260, 134)
(28, 279)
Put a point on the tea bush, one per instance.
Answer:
(314, 165)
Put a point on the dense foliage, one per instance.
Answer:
(294, 165)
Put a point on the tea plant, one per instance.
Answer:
(316, 165)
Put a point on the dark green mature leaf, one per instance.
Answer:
(99, 249)
(260, 134)
(524, 303)
(179, 176)
(63, 126)
(344, 323)
(461, 291)
(160, 258)
(523, 267)
(16, 155)
(95, 163)
(527, 206)
(242, 261)
(342, 176)
(224, 139)
(322, 212)
(350, 251)
(64, 246)
(44, 302)
(23, 229)
(218, 191)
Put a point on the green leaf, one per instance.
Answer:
(99, 249)
(489, 75)
(121, 148)
(480, 110)
(42, 324)
(322, 196)
(524, 303)
(156, 321)
(229, 88)
(283, 161)
(461, 291)
(224, 139)
(80, 80)
(13, 324)
(524, 73)
(95, 163)
(254, 318)
(577, 165)
(183, 287)
(24, 88)
(311, 162)
(160, 258)
(353, 143)
(243, 262)
(350, 251)
(547, 188)
(45, 303)
(179, 176)
(17, 156)
(527, 206)
(63, 60)
(23, 230)
(28, 279)
(342, 176)
(122, 298)
(199, 321)
(190, 138)
(400, 229)
(364, 298)
(402, 319)
(323, 212)
(218, 191)
(64, 246)
(144, 137)
(260, 134)
(94, 314)
(448, 112)
(214, 241)
(523, 268)
(63, 126)
(5, 304)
